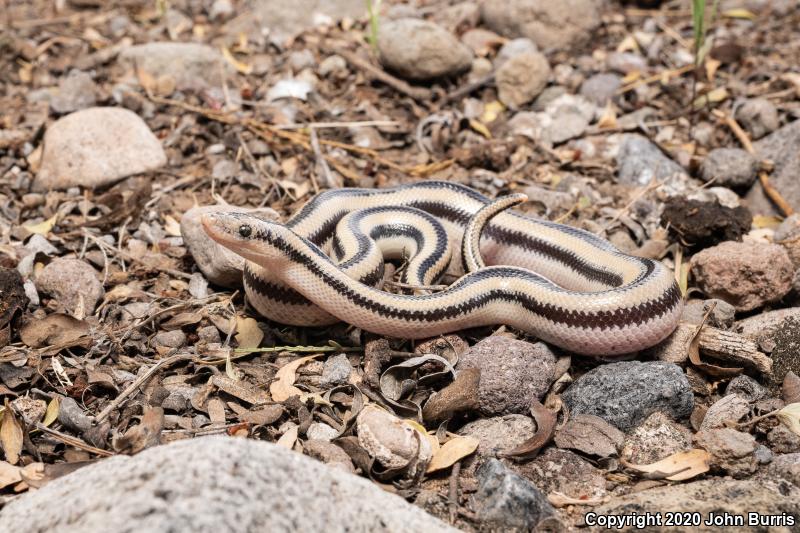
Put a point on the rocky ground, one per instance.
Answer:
(122, 328)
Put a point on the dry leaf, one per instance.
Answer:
(283, 389)
(248, 334)
(480, 127)
(712, 97)
(609, 117)
(243, 68)
(145, 435)
(491, 111)
(545, 428)
(55, 329)
(288, 439)
(794, 79)
(51, 414)
(9, 474)
(171, 226)
(790, 416)
(677, 467)
(244, 391)
(766, 221)
(739, 13)
(451, 452)
(591, 435)
(42, 228)
(11, 436)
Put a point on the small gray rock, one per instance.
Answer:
(336, 370)
(785, 467)
(627, 392)
(513, 373)
(729, 409)
(732, 451)
(746, 387)
(654, 439)
(75, 91)
(512, 48)
(758, 116)
(421, 50)
(626, 62)
(601, 88)
(71, 281)
(321, 431)
(563, 471)
(208, 334)
(730, 167)
(193, 66)
(169, 339)
(72, 417)
(763, 455)
(783, 440)
(640, 161)
(507, 500)
(522, 78)
(96, 147)
(549, 24)
(721, 317)
(213, 484)
(497, 435)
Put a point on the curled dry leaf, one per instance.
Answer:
(591, 435)
(791, 388)
(51, 415)
(11, 436)
(451, 452)
(244, 391)
(56, 329)
(461, 395)
(288, 439)
(677, 467)
(400, 381)
(283, 389)
(694, 354)
(11, 474)
(790, 416)
(545, 428)
(248, 334)
(145, 435)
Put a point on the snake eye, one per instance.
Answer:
(245, 230)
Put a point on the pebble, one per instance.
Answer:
(71, 282)
(721, 317)
(421, 50)
(626, 62)
(626, 393)
(746, 387)
(513, 373)
(392, 442)
(758, 116)
(784, 467)
(334, 66)
(169, 339)
(718, 496)
(301, 59)
(31, 410)
(497, 434)
(507, 500)
(221, 10)
(731, 450)
(783, 440)
(654, 439)
(321, 431)
(730, 167)
(728, 409)
(788, 236)
(590, 435)
(601, 88)
(551, 25)
(75, 91)
(522, 78)
(336, 371)
(782, 147)
(72, 417)
(218, 264)
(201, 484)
(189, 66)
(548, 96)
(512, 48)
(746, 275)
(640, 161)
(96, 147)
(563, 471)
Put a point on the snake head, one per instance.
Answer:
(253, 238)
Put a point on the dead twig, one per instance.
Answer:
(72, 441)
(417, 93)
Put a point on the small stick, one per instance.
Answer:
(453, 495)
(328, 125)
(417, 93)
(72, 441)
(138, 382)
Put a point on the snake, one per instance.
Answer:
(558, 283)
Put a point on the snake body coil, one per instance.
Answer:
(562, 284)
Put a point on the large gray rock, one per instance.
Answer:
(96, 147)
(782, 147)
(626, 393)
(549, 24)
(421, 50)
(212, 484)
(192, 66)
